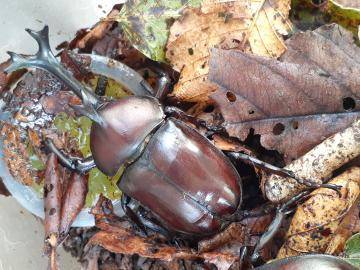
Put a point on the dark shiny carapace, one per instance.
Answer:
(128, 122)
(184, 180)
(311, 262)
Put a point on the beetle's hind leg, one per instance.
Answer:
(280, 171)
(281, 212)
(76, 164)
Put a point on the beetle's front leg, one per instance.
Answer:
(76, 164)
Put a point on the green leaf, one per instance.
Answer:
(35, 162)
(99, 183)
(352, 250)
(79, 130)
(146, 23)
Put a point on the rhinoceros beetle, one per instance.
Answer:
(189, 185)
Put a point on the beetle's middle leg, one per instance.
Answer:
(79, 165)
(141, 220)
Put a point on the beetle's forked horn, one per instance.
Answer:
(40, 60)
(45, 59)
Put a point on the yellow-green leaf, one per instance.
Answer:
(146, 23)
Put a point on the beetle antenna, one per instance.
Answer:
(45, 59)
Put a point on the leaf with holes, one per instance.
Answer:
(252, 25)
(294, 103)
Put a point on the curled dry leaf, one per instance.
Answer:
(98, 31)
(251, 25)
(244, 233)
(117, 236)
(52, 197)
(316, 220)
(52, 208)
(349, 225)
(3, 189)
(6, 80)
(15, 155)
(226, 144)
(3, 76)
(293, 103)
(73, 202)
(317, 165)
(125, 242)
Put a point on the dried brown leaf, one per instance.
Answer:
(6, 80)
(52, 197)
(226, 144)
(250, 25)
(52, 209)
(316, 221)
(349, 225)
(117, 236)
(3, 189)
(242, 233)
(15, 155)
(97, 32)
(296, 102)
(3, 76)
(73, 202)
(58, 102)
(125, 242)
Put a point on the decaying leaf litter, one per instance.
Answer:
(243, 105)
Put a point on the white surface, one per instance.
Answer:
(64, 18)
(22, 238)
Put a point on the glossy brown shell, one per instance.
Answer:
(312, 262)
(129, 121)
(184, 180)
